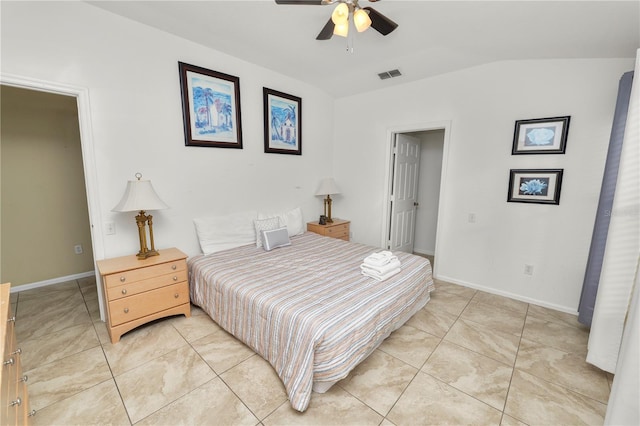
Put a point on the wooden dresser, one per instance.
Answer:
(337, 229)
(13, 385)
(139, 291)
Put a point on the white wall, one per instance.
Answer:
(131, 72)
(482, 104)
(431, 146)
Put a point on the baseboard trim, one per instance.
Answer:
(424, 252)
(509, 295)
(52, 281)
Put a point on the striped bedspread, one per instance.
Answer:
(306, 308)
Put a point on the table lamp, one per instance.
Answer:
(139, 196)
(327, 187)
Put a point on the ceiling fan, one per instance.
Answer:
(363, 17)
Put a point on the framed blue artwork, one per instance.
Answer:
(282, 122)
(540, 186)
(210, 107)
(541, 136)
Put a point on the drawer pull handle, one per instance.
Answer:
(16, 352)
(173, 267)
(32, 413)
(12, 319)
(123, 279)
(10, 361)
(176, 295)
(126, 310)
(17, 402)
(124, 291)
(24, 379)
(175, 278)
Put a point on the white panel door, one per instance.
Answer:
(404, 197)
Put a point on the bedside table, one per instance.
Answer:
(139, 291)
(338, 229)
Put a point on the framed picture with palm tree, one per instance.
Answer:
(282, 122)
(210, 107)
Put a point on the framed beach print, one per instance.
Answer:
(539, 186)
(210, 107)
(541, 136)
(282, 122)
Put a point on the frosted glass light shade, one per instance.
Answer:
(340, 14)
(327, 187)
(341, 30)
(139, 195)
(361, 20)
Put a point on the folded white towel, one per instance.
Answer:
(380, 258)
(382, 277)
(381, 270)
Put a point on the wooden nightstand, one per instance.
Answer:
(338, 229)
(139, 291)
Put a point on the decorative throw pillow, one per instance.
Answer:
(275, 238)
(292, 219)
(265, 225)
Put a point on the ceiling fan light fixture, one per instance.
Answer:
(340, 14)
(341, 29)
(361, 20)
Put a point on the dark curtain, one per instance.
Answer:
(603, 215)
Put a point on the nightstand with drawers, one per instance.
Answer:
(337, 229)
(138, 291)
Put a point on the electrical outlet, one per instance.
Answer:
(528, 269)
(77, 249)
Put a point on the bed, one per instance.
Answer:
(305, 307)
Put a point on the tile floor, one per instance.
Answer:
(468, 357)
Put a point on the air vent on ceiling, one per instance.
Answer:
(389, 74)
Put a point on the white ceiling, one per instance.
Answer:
(433, 37)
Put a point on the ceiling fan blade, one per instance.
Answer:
(300, 2)
(380, 23)
(327, 31)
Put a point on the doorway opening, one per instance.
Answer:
(416, 170)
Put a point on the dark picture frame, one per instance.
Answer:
(541, 136)
(282, 122)
(210, 107)
(538, 186)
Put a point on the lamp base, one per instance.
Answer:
(142, 220)
(143, 255)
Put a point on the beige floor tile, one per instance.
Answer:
(564, 337)
(410, 345)
(472, 373)
(37, 317)
(210, 404)
(428, 401)
(510, 421)
(57, 345)
(501, 301)
(567, 369)
(13, 298)
(98, 405)
(66, 377)
(196, 311)
(194, 327)
(448, 302)
(364, 382)
(499, 346)
(335, 407)
(221, 350)
(459, 290)
(554, 316)
(495, 317)
(161, 381)
(537, 402)
(257, 385)
(141, 345)
(51, 292)
(435, 322)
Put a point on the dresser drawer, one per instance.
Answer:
(338, 231)
(141, 286)
(143, 304)
(133, 275)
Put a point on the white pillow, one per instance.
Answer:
(275, 238)
(292, 219)
(265, 225)
(225, 232)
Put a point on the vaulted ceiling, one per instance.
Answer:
(433, 37)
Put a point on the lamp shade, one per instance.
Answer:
(139, 195)
(327, 187)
